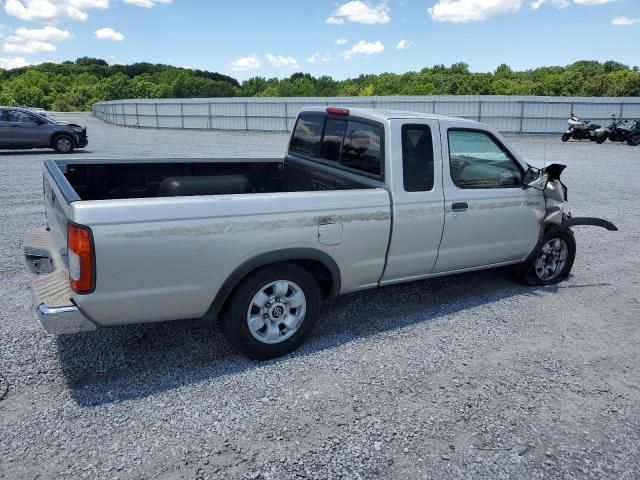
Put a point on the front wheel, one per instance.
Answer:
(566, 136)
(553, 259)
(634, 139)
(602, 138)
(272, 311)
(63, 144)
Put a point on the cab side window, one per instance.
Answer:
(417, 158)
(16, 116)
(477, 160)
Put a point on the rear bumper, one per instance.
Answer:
(63, 320)
(50, 288)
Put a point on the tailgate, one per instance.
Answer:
(58, 195)
(45, 251)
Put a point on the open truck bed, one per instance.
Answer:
(149, 178)
(175, 231)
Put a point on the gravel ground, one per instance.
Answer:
(470, 376)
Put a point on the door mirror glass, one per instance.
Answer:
(536, 178)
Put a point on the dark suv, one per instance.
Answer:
(22, 128)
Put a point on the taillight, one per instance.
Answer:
(80, 251)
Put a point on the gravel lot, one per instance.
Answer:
(464, 377)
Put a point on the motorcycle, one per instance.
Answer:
(616, 131)
(633, 137)
(582, 130)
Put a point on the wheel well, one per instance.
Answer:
(323, 268)
(320, 273)
(316, 269)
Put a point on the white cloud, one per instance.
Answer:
(358, 11)
(341, 41)
(404, 44)
(461, 11)
(108, 34)
(556, 3)
(146, 3)
(16, 62)
(536, 4)
(243, 64)
(46, 34)
(334, 21)
(592, 2)
(282, 61)
(25, 40)
(52, 11)
(364, 48)
(625, 21)
(326, 57)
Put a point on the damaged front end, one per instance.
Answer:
(555, 193)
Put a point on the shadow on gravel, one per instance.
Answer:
(13, 153)
(121, 363)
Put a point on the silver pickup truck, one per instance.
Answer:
(362, 199)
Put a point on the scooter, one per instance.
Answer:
(582, 130)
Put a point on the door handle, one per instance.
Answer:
(459, 206)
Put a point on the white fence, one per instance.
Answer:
(506, 113)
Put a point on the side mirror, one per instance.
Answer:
(540, 183)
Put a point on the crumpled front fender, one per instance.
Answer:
(555, 194)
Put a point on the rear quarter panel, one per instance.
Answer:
(166, 258)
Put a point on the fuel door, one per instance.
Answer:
(330, 233)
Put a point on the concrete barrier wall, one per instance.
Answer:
(525, 114)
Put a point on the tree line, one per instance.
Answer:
(75, 86)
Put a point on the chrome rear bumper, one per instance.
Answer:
(63, 320)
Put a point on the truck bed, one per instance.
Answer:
(119, 179)
(176, 249)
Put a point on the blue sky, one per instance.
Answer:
(341, 39)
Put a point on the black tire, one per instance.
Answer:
(529, 272)
(63, 144)
(235, 316)
(634, 139)
(566, 136)
(601, 139)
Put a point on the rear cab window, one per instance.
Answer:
(307, 134)
(352, 144)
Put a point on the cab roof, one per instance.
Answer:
(385, 115)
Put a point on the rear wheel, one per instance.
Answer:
(63, 144)
(553, 260)
(634, 139)
(272, 311)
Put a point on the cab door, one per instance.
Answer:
(415, 177)
(490, 217)
(25, 130)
